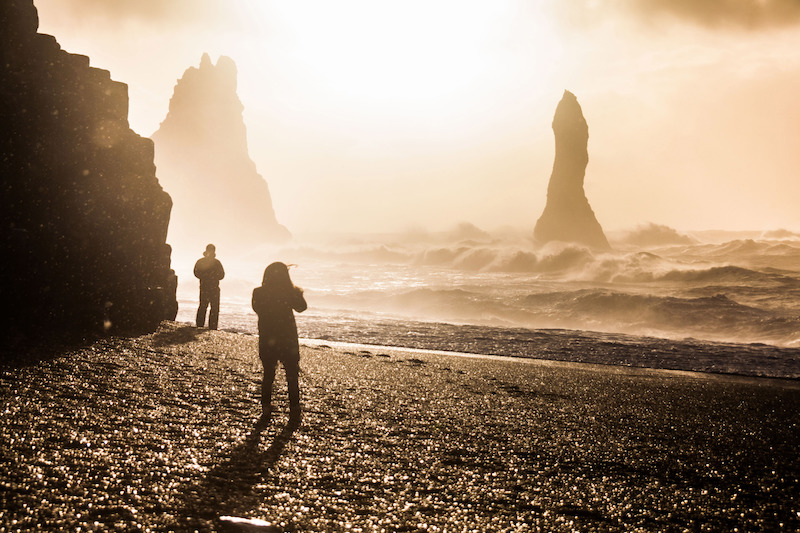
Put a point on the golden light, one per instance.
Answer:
(406, 58)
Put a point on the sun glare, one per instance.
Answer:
(411, 56)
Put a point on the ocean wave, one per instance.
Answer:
(716, 317)
(711, 317)
(654, 253)
(747, 248)
(745, 290)
(655, 235)
(647, 309)
(728, 274)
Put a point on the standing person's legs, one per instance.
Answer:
(293, 384)
(213, 317)
(201, 310)
(266, 385)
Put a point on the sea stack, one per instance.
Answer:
(84, 219)
(567, 215)
(203, 162)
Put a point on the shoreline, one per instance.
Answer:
(787, 382)
(590, 347)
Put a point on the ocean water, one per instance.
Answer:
(715, 302)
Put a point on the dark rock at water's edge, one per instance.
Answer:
(84, 219)
(203, 162)
(567, 215)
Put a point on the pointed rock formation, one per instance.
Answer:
(567, 215)
(84, 219)
(203, 162)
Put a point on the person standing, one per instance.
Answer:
(209, 271)
(275, 302)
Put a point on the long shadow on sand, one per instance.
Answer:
(180, 334)
(228, 489)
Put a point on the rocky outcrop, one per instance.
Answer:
(203, 162)
(84, 219)
(567, 215)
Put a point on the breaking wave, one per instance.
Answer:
(715, 317)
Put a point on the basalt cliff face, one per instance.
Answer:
(567, 216)
(203, 162)
(84, 219)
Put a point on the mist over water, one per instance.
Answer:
(742, 288)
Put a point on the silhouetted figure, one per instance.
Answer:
(209, 271)
(274, 302)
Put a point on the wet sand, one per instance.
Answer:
(158, 433)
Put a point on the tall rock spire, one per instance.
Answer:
(203, 162)
(567, 215)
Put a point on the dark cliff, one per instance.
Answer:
(203, 162)
(84, 219)
(567, 216)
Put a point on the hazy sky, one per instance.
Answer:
(377, 115)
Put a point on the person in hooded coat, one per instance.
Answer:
(275, 302)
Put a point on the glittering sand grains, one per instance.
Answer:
(159, 433)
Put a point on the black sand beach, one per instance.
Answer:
(158, 433)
